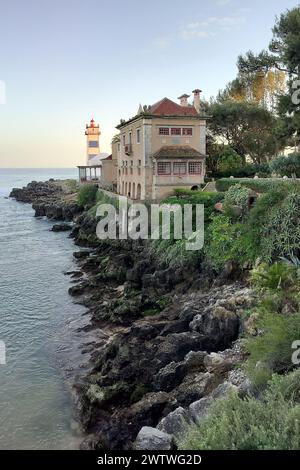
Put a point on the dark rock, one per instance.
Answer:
(61, 228)
(81, 254)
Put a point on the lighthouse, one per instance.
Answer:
(92, 133)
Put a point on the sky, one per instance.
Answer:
(63, 62)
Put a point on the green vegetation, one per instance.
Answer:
(287, 166)
(173, 252)
(258, 185)
(269, 423)
(87, 194)
(237, 196)
(277, 320)
(248, 128)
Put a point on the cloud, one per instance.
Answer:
(211, 26)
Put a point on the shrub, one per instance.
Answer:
(248, 170)
(187, 196)
(222, 241)
(229, 160)
(258, 185)
(249, 424)
(87, 194)
(271, 351)
(280, 230)
(278, 321)
(289, 166)
(236, 195)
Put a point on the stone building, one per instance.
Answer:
(161, 148)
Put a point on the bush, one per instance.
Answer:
(87, 194)
(229, 161)
(249, 424)
(258, 185)
(289, 166)
(236, 195)
(271, 351)
(187, 196)
(222, 242)
(246, 171)
(278, 321)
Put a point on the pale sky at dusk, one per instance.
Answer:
(65, 61)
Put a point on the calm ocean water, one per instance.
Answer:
(38, 323)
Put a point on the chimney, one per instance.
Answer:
(184, 100)
(196, 101)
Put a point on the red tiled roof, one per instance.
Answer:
(167, 107)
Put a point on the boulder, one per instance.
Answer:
(175, 423)
(152, 439)
(199, 409)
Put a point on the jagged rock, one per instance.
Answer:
(218, 328)
(175, 346)
(194, 360)
(61, 227)
(152, 439)
(175, 423)
(169, 377)
(218, 362)
(81, 254)
(238, 378)
(224, 389)
(194, 387)
(199, 409)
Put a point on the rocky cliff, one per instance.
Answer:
(171, 337)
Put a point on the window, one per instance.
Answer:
(130, 138)
(123, 140)
(163, 168)
(187, 131)
(138, 136)
(179, 168)
(194, 168)
(131, 163)
(175, 131)
(163, 131)
(140, 162)
(93, 143)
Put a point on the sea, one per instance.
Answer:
(40, 337)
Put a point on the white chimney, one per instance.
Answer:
(196, 101)
(184, 100)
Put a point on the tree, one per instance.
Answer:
(283, 55)
(258, 87)
(229, 160)
(247, 128)
(287, 166)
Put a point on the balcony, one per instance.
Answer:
(128, 149)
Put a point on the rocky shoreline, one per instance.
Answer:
(171, 338)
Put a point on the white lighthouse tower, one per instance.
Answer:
(92, 141)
